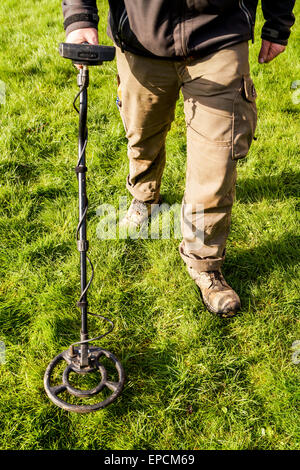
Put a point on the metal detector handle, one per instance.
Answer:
(87, 54)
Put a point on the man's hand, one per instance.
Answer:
(78, 36)
(269, 50)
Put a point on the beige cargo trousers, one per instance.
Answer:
(220, 114)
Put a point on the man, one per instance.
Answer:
(200, 47)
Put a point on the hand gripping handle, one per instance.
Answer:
(87, 54)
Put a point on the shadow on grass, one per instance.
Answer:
(249, 190)
(280, 186)
(245, 267)
(261, 260)
(18, 171)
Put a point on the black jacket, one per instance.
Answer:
(180, 28)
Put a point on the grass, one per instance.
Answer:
(193, 380)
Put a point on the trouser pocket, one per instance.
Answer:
(244, 118)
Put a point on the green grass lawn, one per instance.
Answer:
(193, 381)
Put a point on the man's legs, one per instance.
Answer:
(221, 117)
(149, 91)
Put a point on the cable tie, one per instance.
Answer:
(82, 245)
(80, 169)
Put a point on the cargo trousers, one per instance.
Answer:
(220, 115)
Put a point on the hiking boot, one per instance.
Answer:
(138, 213)
(216, 294)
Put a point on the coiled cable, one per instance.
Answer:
(82, 88)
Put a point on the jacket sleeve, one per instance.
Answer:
(79, 14)
(279, 20)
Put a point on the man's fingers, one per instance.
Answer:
(265, 46)
(274, 51)
(91, 36)
(269, 50)
(78, 36)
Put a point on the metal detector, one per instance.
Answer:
(81, 358)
